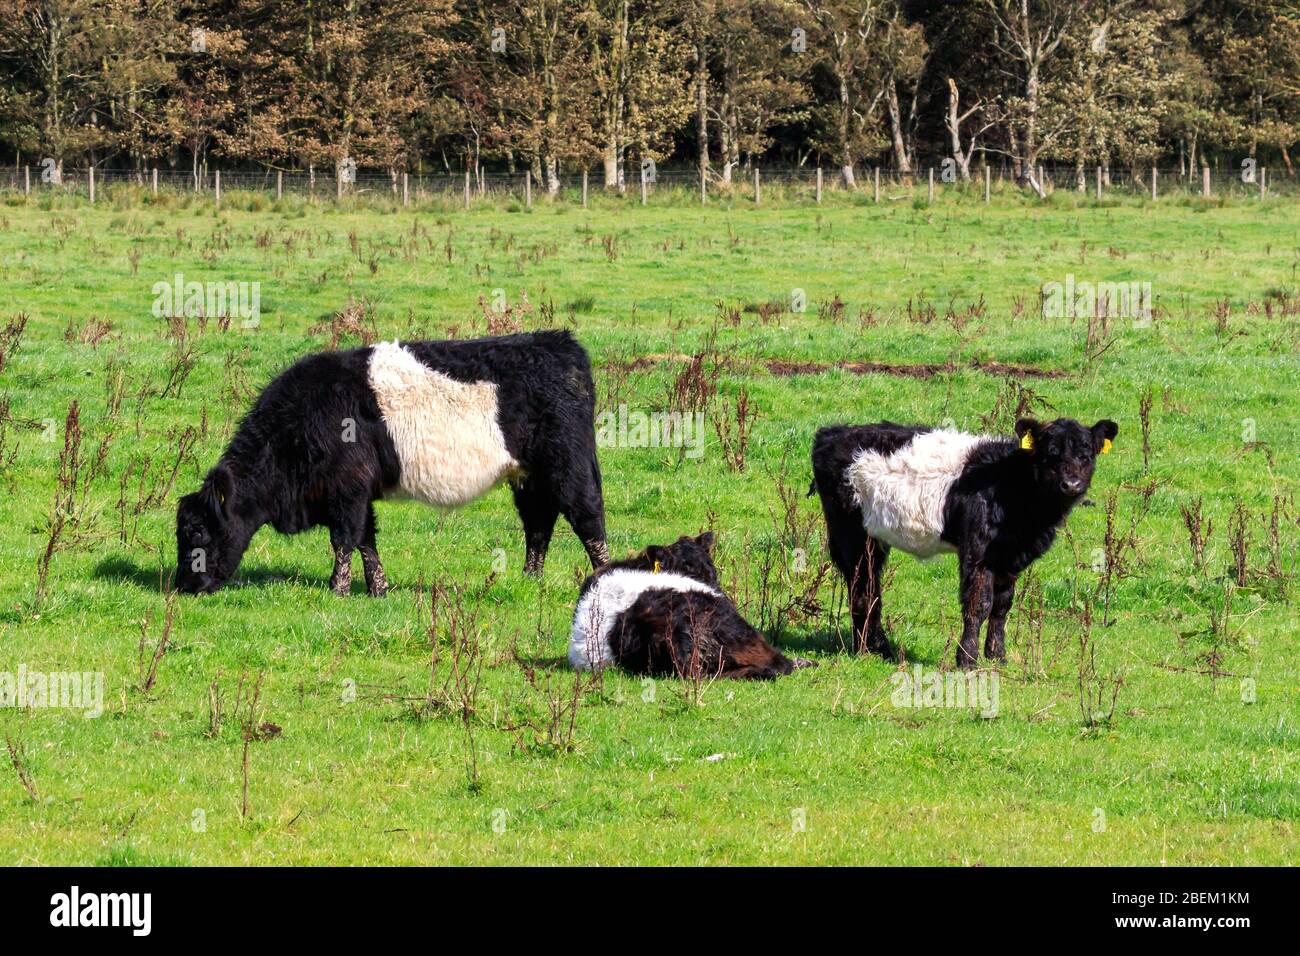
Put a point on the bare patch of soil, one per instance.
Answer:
(784, 368)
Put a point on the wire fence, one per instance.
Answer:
(929, 181)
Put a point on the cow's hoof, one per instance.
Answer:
(377, 584)
(879, 645)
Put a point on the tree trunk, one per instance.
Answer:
(52, 118)
(610, 161)
(962, 157)
(550, 135)
(842, 130)
(1030, 144)
(612, 81)
(702, 104)
(901, 159)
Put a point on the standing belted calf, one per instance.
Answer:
(442, 422)
(996, 502)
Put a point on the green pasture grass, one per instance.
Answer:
(1196, 761)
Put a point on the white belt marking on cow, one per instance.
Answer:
(446, 433)
(902, 495)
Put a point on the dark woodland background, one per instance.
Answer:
(715, 86)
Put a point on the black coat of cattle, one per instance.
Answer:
(441, 422)
(996, 502)
(662, 612)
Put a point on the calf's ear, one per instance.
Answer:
(219, 489)
(1027, 430)
(1103, 433)
(707, 541)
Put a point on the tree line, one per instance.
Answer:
(556, 86)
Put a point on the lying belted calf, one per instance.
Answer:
(662, 613)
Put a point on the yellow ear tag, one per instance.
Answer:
(221, 498)
(656, 571)
(1027, 441)
(1105, 446)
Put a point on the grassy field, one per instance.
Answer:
(1147, 713)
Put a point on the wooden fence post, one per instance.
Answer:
(1263, 181)
(819, 185)
(643, 186)
(528, 188)
(758, 188)
(91, 180)
(466, 185)
(1205, 181)
(704, 186)
(1153, 184)
(875, 196)
(988, 182)
(931, 194)
(27, 180)
(1098, 182)
(584, 189)
(279, 184)
(406, 188)
(153, 180)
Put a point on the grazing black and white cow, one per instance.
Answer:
(663, 613)
(441, 422)
(996, 502)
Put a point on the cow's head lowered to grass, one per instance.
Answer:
(1063, 453)
(210, 534)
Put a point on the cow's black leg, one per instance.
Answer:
(347, 529)
(861, 560)
(583, 507)
(341, 579)
(865, 591)
(376, 580)
(538, 511)
(872, 568)
(597, 550)
(976, 602)
(1004, 593)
